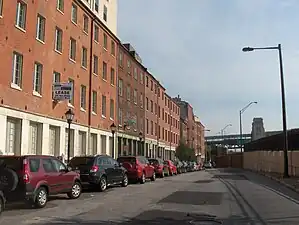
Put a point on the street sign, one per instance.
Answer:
(62, 91)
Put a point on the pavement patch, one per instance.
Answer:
(194, 198)
(231, 177)
(203, 181)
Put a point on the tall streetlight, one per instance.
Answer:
(140, 143)
(223, 130)
(113, 130)
(240, 114)
(283, 104)
(69, 114)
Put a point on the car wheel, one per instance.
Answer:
(125, 181)
(153, 178)
(143, 178)
(103, 183)
(76, 191)
(41, 198)
(170, 173)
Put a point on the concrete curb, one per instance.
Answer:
(278, 180)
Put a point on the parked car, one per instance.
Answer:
(179, 165)
(208, 165)
(172, 167)
(160, 168)
(138, 168)
(32, 178)
(2, 202)
(101, 171)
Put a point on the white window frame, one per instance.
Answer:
(74, 13)
(94, 102)
(60, 5)
(17, 69)
(112, 109)
(120, 87)
(1, 8)
(83, 97)
(96, 35)
(95, 64)
(72, 53)
(41, 28)
(105, 70)
(135, 97)
(58, 39)
(84, 57)
(21, 15)
(85, 23)
(112, 76)
(38, 77)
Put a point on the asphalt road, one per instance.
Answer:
(233, 197)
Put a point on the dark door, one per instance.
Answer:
(118, 171)
(106, 164)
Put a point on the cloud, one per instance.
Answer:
(195, 50)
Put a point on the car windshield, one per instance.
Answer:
(14, 163)
(154, 161)
(131, 160)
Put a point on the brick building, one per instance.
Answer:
(131, 107)
(55, 41)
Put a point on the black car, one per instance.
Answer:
(100, 171)
(2, 202)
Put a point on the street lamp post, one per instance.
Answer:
(241, 129)
(69, 114)
(222, 131)
(113, 130)
(140, 143)
(283, 104)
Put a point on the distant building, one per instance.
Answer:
(258, 130)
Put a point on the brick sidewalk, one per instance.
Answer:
(292, 182)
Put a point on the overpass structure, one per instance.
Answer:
(231, 141)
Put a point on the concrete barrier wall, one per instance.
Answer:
(234, 160)
(271, 161)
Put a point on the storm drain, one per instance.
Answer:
(203, 181)
(231, 177)
(194, 198)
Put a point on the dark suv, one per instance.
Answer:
(2, 202)
(34, 177)
(100, 170)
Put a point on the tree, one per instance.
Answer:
(184, 153)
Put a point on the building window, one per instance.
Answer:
(84, 57)
(82, 143)
(135, 73)
(128, 64)
(96, 5)
(152, 106)
(147, 104)
(104, 105)
(120, 87)
(83, 97)
(112, 76)
(111, 108)
(1, 7)
(120, 116)
(112, 48)
(152, 128)
(96, 33)
(71, 81)
(37, 82)
(95, 65)
(85, 23)
(141, 78)
(35, 139)
(56, 77)
(40, 28)
(128, 93)
(135, 96)
(17, 69)
(94, 102)
(121, 59)
(73, 49)
(141, 100)
(147, 126)
(105, 13)
(146, 81)
(74, 13)
(105, 41)
(58, 39)
(60, 5)
(104, 75)
(152, 85)
(13, 136)
(21, 15)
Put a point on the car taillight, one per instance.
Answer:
(94, 169)
(26, 177)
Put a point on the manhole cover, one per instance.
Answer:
(194, 198)
(203, 181)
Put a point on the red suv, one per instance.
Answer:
(138, 168)
(34, 177)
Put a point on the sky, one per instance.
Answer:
(195, 50)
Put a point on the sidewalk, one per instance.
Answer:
(292, 182)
